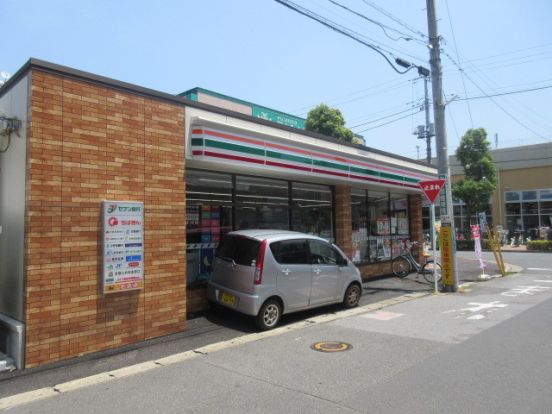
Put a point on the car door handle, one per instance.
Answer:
(286, 272)
(317, 271)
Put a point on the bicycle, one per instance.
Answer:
(405, 263)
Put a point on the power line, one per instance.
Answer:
(530, 111)
(389, 116)
(386, 123)
(493, 100)
(340, 29)
(395, 19)
(469, 98)
(403, 36)
(458, 57)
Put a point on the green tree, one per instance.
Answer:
(479, 183)
(328, 121)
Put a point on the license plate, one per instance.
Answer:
(228, 299)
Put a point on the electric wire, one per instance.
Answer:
(461, 70)
(403, 36)
(470, 98)
(343, 30)
(388, 116)
(517, 104)
(387, 123)
(395, 19)
(492, 99)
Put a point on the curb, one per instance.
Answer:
(69, 386)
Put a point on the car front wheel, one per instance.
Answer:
(352, 296)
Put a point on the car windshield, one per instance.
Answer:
(241, 250)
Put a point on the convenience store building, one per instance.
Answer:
(90, 163)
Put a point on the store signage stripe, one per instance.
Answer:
(232, 137)
(197, 141)
(372, 166)
(378, 171)
(331, 165)
(289, 157)
(318, 171)
(232, 157)
(364, 171)
(197, 152)
(268, 144)
(234, 147)
(293, 167)
(301, 168)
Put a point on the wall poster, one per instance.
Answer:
(123, 246)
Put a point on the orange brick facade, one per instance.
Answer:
(88, 143)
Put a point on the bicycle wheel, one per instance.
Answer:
(401, 266)
(427, 271)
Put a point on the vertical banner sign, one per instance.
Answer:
(443, 210)
(446, 246)
(476, 236)
(123, 246)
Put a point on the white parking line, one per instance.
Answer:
(539, 269)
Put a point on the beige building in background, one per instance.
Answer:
(523, 197)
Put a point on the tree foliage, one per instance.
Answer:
(479, 171)
(328, 121)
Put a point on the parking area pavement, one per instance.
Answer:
(208, 328)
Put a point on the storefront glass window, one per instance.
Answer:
(400, 233)
(511, 196)
(529, 195)
(208, 217)
(546, 194)
(380, 226)
(261, 203)
(311, 209)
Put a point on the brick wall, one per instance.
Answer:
(88, 143)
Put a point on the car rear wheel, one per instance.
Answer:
(352, 296)
(269, 315)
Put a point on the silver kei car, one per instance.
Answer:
(267, 273)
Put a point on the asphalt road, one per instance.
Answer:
(484, 350)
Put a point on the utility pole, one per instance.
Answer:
(428, 129)
(448, 236)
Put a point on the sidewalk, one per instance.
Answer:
(210, 328)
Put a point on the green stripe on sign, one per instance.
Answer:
(288, 157)
(411, 180)
(330, 165)
(197, 142)
(234, 147)
(364, 171)
(391, 176)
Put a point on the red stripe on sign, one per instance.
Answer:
(315, 170)
(233, 157)
(271, 145)
(197, 152)
(294, 167)
(197, 131)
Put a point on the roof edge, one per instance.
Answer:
(42, 65)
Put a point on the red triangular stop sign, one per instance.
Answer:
(431, 188)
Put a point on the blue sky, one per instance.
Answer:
(260, 51)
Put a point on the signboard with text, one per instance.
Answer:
(447, 261)
(432, 188)
(123, 246)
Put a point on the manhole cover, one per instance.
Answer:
(331, 346)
